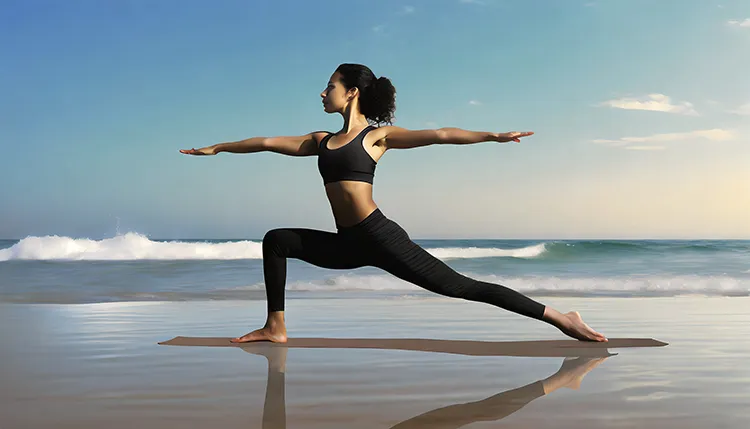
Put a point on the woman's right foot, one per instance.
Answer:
(276, 335)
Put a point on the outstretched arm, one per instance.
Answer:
(401, 138)
(306, 145)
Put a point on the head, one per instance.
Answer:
(354, 86)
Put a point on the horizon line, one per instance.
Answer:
(435, 238)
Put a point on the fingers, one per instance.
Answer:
(191, 152)
(516, 135)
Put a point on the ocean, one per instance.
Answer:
(133, 267)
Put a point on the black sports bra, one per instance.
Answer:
(348, 162)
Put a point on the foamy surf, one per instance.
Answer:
(545, 285)
(134, 246)
(481, 252)
(130, 246)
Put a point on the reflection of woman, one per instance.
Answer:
(503, 404)
(365, 237)
(494, 408)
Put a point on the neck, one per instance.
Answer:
(353, 119)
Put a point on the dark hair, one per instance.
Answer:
(377, 99)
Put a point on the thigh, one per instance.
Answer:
(407, 260)
(322, 248)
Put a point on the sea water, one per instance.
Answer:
(133, 267)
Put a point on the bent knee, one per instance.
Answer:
(274, 235)
(278, 239)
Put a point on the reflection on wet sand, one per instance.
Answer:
(545, 348)
(494, 408)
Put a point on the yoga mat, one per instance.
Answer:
(543, 348)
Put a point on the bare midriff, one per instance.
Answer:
(351, 202)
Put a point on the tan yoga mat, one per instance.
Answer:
(543, 348)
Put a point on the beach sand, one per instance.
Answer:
(101, 365)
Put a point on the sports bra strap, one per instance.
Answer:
(325, 139)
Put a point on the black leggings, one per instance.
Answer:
(379, 242)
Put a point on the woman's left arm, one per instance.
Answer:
(401, 138)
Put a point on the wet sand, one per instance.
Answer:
(100, 365)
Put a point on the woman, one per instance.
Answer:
(365, 237)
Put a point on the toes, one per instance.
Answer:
(245, 338)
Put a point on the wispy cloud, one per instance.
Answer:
(475, 102)
(645, 147)
(716, 134)
(383, 28)
(590, 4)
(406, 10)
(743, 110)
(736, 23)
(652, 102)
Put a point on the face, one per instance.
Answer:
(335, 96)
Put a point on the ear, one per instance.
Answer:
(352, 93)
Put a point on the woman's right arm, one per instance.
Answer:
(306, 145)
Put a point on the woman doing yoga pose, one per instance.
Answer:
(365, 236)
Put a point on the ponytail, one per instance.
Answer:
(377, 98)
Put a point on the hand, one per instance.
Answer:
(513, 136)
(208, 150)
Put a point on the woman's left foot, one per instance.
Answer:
(573, 326)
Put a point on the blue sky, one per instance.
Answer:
(641, 111)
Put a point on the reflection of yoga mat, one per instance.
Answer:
(545, 348)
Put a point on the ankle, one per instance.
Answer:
(275, 320)
(555, 318)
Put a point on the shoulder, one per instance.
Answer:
(319, 136)
(387, 130)
(380, 134)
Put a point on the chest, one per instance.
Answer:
(353, 155)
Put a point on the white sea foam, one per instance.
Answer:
(134, 246)
(130, 246)
(547, 285)
(481, 252)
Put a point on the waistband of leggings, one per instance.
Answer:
(373, 220)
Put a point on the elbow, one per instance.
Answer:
(266, 144)
(443, 135)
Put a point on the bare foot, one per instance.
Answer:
(263, 334)
(573, 326)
